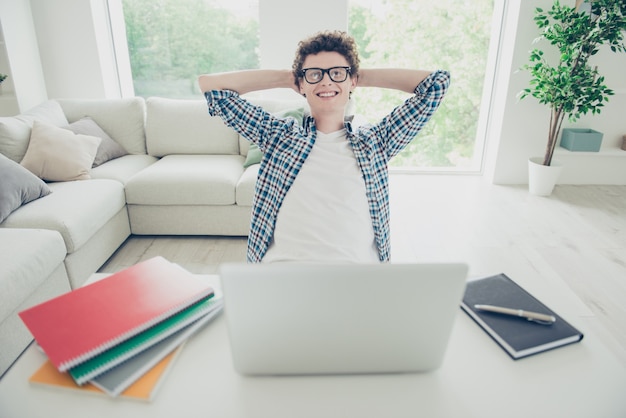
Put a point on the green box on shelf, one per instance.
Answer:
(581, 139)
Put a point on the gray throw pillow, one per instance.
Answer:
(17, 187)
(108, 148)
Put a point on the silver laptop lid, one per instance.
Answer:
(291, 318)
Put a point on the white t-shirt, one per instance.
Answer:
(325, 215)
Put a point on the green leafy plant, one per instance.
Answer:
(573, 87)
(3, 77)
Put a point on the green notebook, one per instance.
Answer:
(123, 351)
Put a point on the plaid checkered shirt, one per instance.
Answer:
(286, 143)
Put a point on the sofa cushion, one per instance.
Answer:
(123, 168)
(76, 209)
(187, 180)
(185, 127)
(27, 258)
(18, 186)
(56, 154)
(122, 119)
(15, 130)
(246, 185)
(108, 148)
(274, 104)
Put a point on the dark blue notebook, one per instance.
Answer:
(518, 336)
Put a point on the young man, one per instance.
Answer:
(322, 192)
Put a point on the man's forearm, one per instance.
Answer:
(247, 81)
(392, 78)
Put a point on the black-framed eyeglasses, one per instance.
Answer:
(336, 74)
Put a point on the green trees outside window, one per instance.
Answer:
(448, 34)
(170, 42)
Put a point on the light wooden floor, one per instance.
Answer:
(568, 249)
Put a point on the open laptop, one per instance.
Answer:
(293, 318)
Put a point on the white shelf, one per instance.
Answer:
(609, 152)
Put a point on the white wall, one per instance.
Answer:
(75, 48)
(285, 22)
(519, 128)
(20, 58)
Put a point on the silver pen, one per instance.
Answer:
(531, 316)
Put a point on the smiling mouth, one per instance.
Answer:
(328, 94)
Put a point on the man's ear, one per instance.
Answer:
(354, 81)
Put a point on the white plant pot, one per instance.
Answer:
(542, 178)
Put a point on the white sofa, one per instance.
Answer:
(183, 174)
(198, 185)
(31, 271)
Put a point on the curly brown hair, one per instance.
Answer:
(326, 41)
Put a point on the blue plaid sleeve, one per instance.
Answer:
(402, 125)
(250, 121)
(213, 98)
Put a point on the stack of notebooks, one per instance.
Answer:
(123, 330)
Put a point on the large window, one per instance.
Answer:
(426, 34)
(170, 42)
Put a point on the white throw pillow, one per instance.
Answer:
(56, 154)
(15, 130)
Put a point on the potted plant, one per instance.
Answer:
(2, 78)
(572, 87)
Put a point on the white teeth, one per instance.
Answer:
(328, 94)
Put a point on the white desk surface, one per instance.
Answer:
(477, 379)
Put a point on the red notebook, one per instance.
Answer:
(80, 324)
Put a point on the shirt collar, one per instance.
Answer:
(308, 124)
